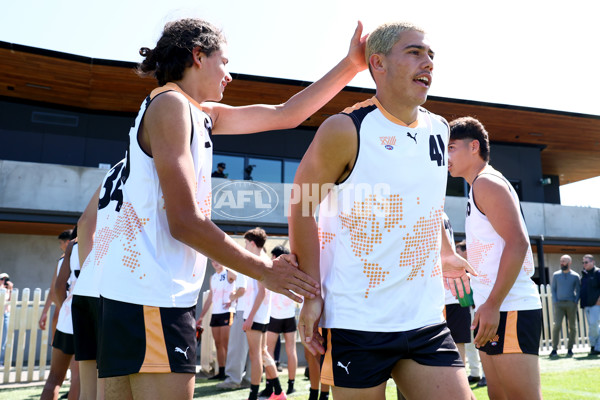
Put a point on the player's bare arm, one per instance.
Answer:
(166, 136)
(260, 117)
(329, 159)
(205, 306)
(493, 198)
(86, 225)
(60, 284)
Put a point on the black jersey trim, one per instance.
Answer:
(150, 100)
(505, 181)
(357, 117)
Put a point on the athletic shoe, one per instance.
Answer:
(570, 353)
(594, 352)
(280, 396)
(482, 382)
(473, 379)
(290, 391)
(228, 385)
(553, 354)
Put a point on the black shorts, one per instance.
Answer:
(225, 319)
(85, 327)
(282, 325)
(458, 320)
(519, 332)
(258, 327)
(142, 339)
(63, 341)
(359, 359)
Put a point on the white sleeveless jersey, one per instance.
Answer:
(59, 265)
(89, 277)
(141, 262)
(380, 229)
(263, 314)
(221, 289)
(65, 320)
(241, 282)
(282, 307)
(448, 297)
(484, 249)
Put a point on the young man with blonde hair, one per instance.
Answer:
(379, 244)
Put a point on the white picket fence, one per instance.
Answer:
(25, 336)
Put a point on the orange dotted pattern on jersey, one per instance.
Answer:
(420, 245)
(205, 205)
(528, 265)
(477, 254)
(375, 273)
(357, 222)
(325, 237)
(127, 226)
(394, 214)
(365, 231)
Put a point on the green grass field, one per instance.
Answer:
(576, 378)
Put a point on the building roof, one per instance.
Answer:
(570, 141)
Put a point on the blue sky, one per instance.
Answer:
(532, 53)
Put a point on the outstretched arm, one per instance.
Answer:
(319, 170)
(260, 117)
(494, 199)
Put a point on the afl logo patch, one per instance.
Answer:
(389, 147)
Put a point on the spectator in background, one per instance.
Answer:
(219, 172)
(5, 284)
(237, 348)
(590, 301)
(565, 295)
(283, 321)
(221, 288)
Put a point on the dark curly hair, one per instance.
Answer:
(173, 51)
(471, 128)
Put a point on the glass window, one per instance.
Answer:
(234, 166)
(289, 171)
(260, 169)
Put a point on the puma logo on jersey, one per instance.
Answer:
(178, 350)
(412, 137)
(339, 364)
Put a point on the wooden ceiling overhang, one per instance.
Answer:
(570, 141)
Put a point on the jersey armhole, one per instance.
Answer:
(148, 101)
(357, 126)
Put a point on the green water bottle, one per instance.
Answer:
(467, 300)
